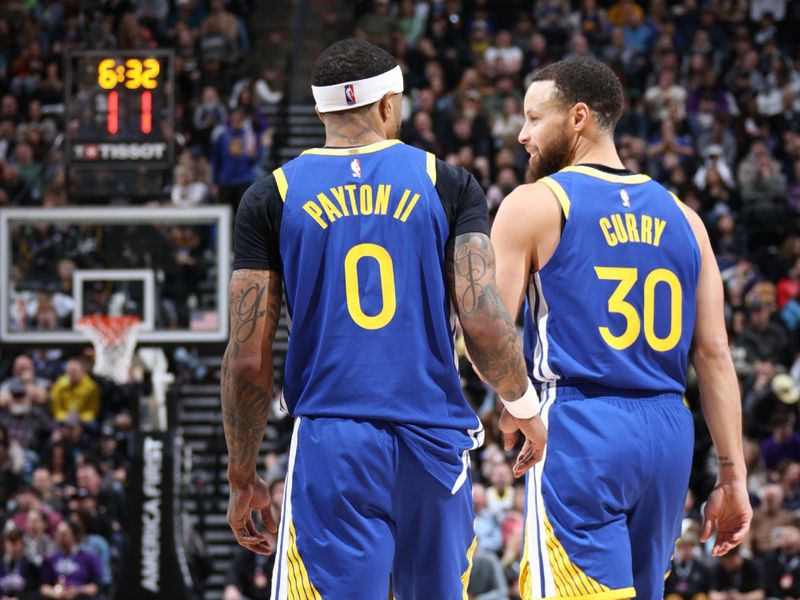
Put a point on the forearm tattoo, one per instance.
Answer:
(255, 300)
(489, 332)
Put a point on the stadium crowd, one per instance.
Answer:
(712, 111)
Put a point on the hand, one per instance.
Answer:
(232, 593)
(241, 504)
(535, 439)
(727, 511)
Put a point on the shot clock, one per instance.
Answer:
(120, 115)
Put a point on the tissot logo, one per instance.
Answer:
(119, 151)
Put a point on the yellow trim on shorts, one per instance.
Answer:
(465, 575)
(283, 185)
(430, 166)
(569, 579)
(597, 173)
(524, 581)
(299, 586)
(620, 594)
(559, 192)
(357, 150)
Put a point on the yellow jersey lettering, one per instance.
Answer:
(315, 212)
(647, 229)
(351, 192)
(330, 210)
(338, 194)
(411, 206)
(398, 211)
(382, 199)
(660, 225)
(365, 197)
(619, 228)
(605, 227)
(630, 223)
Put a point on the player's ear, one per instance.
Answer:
(385, 107)
(580, 116)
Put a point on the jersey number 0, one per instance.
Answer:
(388, 293)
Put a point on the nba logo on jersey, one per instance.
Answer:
(626, 199)
(355, 167)
(350, 94)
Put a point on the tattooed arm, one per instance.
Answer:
(255, 302)
(489, 333)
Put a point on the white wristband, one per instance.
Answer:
(525, 407)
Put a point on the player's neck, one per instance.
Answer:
(348, 132)
(599, 151)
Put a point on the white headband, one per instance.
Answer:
(352, 94)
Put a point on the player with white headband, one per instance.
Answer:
(379, 247)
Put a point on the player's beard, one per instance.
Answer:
(550, 160)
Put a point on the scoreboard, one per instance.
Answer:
(120, 123)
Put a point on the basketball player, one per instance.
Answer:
(620, 280)
(372, 241)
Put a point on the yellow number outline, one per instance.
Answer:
(388, 294)
(676, 311)
(152, 68)
(133, 74)
(616, 304)
(106, 74)
(627, 278)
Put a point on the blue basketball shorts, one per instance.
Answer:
(604, 506)
(359, 509)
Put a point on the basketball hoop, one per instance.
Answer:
(114, 340)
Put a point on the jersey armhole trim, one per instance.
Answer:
(280, 180)
(559, 193)
(680, 204)
(430, 166)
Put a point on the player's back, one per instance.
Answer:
(615, 305)
(362, 242)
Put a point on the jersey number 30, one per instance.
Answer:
(627, 278)
(388, 294)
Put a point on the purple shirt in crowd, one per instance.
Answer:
(774, 453)
(78, 568)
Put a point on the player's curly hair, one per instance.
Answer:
(350, 60)
(581, 79)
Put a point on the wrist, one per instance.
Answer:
(524, 407)
(240, 480)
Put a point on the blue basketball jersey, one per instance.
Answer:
(362, 245)
(615, 305)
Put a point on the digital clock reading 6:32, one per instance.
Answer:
(134, 73)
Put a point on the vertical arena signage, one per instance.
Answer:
(155, 565)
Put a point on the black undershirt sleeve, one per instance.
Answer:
(463, 200)
(256, 235)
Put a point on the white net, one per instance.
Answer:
(114, 341)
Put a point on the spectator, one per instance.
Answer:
(24, 374)
(688, 579)
(734, 576)
(769, 515)
(10, 470)
(19, 579)
(666, 100)
(784, 443)
(249, 576)
(25, 423)
(38, 544)
(500, 495)
(75, 392)
(209, 114)
(70, 572)
(764, 339)
(234, 153)
(782, 566)
(487, 529)
(186, 192)
(502, 57)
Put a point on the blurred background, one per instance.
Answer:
(128, 132)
